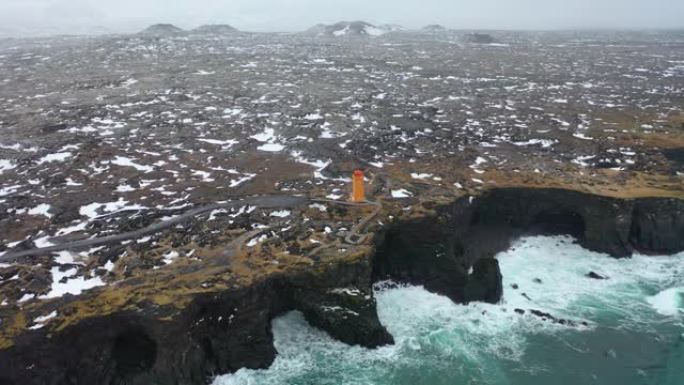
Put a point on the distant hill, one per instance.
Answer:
(434, 28)
(161, 30)
(347, 29)
(392, 27)
(216, 29)
(316, 30)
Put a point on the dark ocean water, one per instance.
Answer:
(635, 334)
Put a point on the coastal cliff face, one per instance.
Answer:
(657, 226)
(449, 252)
(217, 333)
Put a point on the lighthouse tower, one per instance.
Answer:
(358, 188)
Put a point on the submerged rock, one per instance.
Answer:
(544, 316)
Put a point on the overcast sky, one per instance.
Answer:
(40, 16)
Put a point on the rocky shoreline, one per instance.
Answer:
(449, 251)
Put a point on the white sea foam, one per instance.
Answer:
(435, 337)
(566, 291)
(668, 302)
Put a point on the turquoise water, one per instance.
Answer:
(635, 332)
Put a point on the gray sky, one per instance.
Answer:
(46, 16)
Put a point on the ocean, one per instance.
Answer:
(634, 332)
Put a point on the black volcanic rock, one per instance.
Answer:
(52, 128)
(675, 155)
(438, 251)
(657, 226)
(479, 38)
(348, 315)
(215, 29)
(223, 328)
(594, 275)
(485, 284)
(161, 30)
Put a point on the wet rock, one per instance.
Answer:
(421, 252)
(347, 314)
(485, 284)
(433, 251)
(561, 321)
(599, 223)
(542, 314)
(340, 301)
(657, 226)
(594, 275)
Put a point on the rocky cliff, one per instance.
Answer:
(149, 331)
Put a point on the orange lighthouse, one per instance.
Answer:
(358, 189)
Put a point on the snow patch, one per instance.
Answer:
(73, 286)
(128, 162)
(56, 157)
(401, 193)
